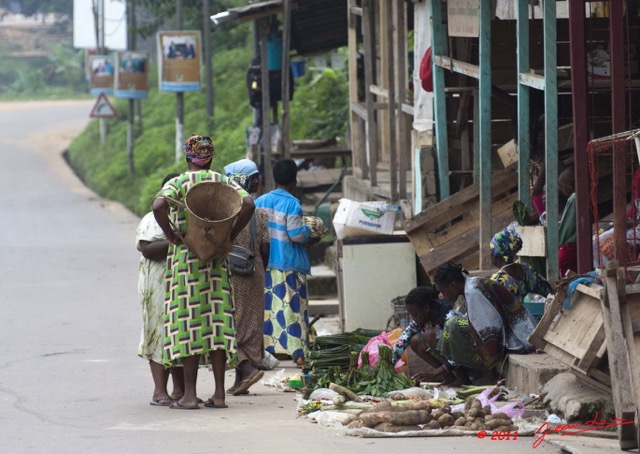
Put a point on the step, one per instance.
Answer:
(527, 374)
(322, 283)
(324, 307)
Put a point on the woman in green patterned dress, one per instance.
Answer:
(199, 320)
(519, 278)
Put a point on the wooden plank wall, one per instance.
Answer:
(449, 229)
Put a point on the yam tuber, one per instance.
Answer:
(461, 421)
(390, 428)
(373, 419)
(498, 422)
(445, 420)
(356, 424)
(424, 416)
(437, 414)
(404, 418)
(433, 425)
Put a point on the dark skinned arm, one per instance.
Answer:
(265, 249)
(248, 207)
(161, 213)
(154, 250)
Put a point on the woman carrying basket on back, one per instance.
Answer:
(199, 322)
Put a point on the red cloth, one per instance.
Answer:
(426, 71)
(635, 194)
(538, 203)
(567, 258)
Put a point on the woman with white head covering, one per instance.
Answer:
(248, 290)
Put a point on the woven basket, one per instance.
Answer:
(212, 209)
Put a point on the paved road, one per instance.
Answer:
(70, 380)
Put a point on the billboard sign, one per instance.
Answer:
(131, 75)
(102, 74)
(115, 24)
(179, 57)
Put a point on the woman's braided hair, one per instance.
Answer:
(449, 273)
(424, 296)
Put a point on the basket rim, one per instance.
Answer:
(234, 214)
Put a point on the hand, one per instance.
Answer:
(424, 377)
(312, 242)
(174, 239)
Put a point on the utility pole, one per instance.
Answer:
(98, 10)
(131, 45)
(208, 68)
(179, 96)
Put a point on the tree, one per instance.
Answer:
(31, 7)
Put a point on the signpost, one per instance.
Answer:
(102, 108)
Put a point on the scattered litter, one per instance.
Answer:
(555, 419)
(277, 380)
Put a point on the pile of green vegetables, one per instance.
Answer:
(331, 352)
(337, 364)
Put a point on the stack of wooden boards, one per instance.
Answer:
(449, 230)
(601, 323)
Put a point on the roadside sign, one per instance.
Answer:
(102, 108)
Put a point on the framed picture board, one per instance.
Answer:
(179, 60)
(132, 76)
(102, 74)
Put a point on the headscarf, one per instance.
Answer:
(241, 171)
(200, 150)
(506, 244)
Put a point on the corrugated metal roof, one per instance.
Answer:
(317, 26)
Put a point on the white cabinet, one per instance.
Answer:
(371, 272)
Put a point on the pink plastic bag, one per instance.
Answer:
(511, 410)
(372, 348)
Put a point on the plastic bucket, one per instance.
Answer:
(536, 308)
(297, 68)
(211, 211)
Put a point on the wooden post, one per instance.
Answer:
(551, 135)
(404, 151)
(580, 133)
(476, 136)
(358, 135)
(439, 47)
(286, 61)
(368, 31)
(524, 146)
(484, 104)
(617, 353)
(616, 38)
(391, 102)
(266, 102)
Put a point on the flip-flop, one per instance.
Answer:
(162, 402)
(209, 404)
(177, 406)
(248, 382)
(232, 389)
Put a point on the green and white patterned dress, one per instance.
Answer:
(199, 314)
(151, 274)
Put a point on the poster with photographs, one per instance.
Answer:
(179, 55)
(102, 74)
(131, 75)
